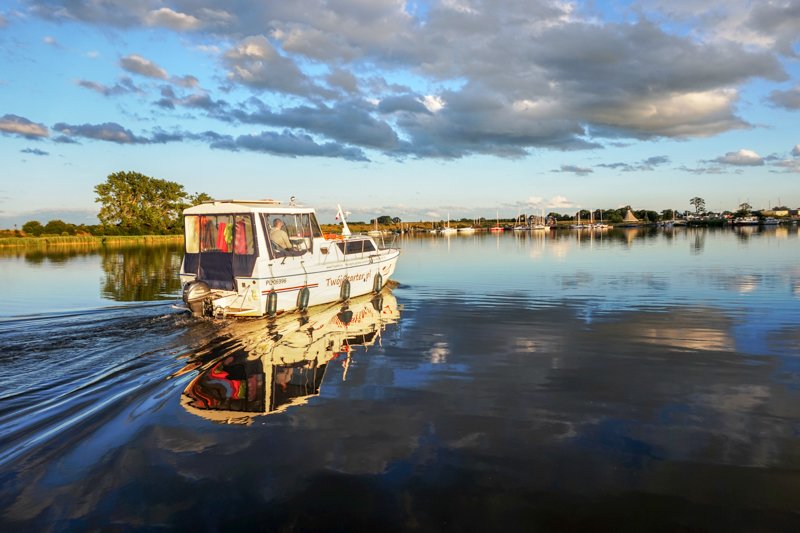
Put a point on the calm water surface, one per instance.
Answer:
(634, 380)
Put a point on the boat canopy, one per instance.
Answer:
(221, 238)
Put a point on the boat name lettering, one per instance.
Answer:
(337, 281)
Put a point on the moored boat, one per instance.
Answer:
(745, 221)
(254, 258)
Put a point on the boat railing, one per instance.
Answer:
(384, 242)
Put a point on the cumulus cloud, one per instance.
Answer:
(124, 86)
(741, 158)
(108, 131)
(16, 125)
(789, 99)
(171, 19)
(199, 100)
(348, 122)
(796, 150)
(188, 81)
(144, 67)
(560, 202)
(256, 63)
(289, 144)
(503, 80)
(34, 151)
(573, 169)
(646, 165)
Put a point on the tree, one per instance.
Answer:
(59, 227)
(699, 204)
(33, 227)
(136, 203)
(198, 198)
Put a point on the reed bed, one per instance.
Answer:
(58, 240)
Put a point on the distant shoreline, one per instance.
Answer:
(31, 242)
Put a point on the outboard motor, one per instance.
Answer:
(194, 296)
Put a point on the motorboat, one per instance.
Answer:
(254, 371)
(746, 221)
(249, 258)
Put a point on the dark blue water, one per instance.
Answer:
(632, 381)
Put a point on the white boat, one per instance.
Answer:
(447, 230)
(745, 221)
(375, 232)
(771, 221)
(254, 258)
(467, 230)
(257, 371)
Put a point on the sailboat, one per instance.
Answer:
(600, 225)
(520, 224)
(497, 228)
(375, 232)
(539, 226)
(577, 224)
(447, 230)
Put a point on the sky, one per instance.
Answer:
(416, 109)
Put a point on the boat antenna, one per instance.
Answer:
(341, 215)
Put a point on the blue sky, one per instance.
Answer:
(413, 109)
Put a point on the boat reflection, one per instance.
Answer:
(263, 367)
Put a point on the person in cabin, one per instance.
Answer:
(279, 236)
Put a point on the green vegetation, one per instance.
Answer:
(132, 205)
(56, 240)
(699, 205)
(135, 204)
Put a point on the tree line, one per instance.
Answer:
(131, 204)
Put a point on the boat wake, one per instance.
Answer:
(67, 375)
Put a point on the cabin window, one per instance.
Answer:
(356, 247)
(192, 227)
(244, 242)
(216, 233)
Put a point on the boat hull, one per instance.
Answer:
(308, 286)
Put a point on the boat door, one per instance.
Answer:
(220, 248)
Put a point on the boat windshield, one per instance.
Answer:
(290, 233)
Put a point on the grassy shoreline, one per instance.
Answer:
(88, 239)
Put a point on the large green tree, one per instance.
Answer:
(699, 204)
(136, 203)
(33, 227)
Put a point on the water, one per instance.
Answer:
(637, 380)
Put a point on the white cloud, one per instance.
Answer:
(174, 20)
(796, 150)
(17, 125)
(144, 67)
(742, 158)
(560, 202)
